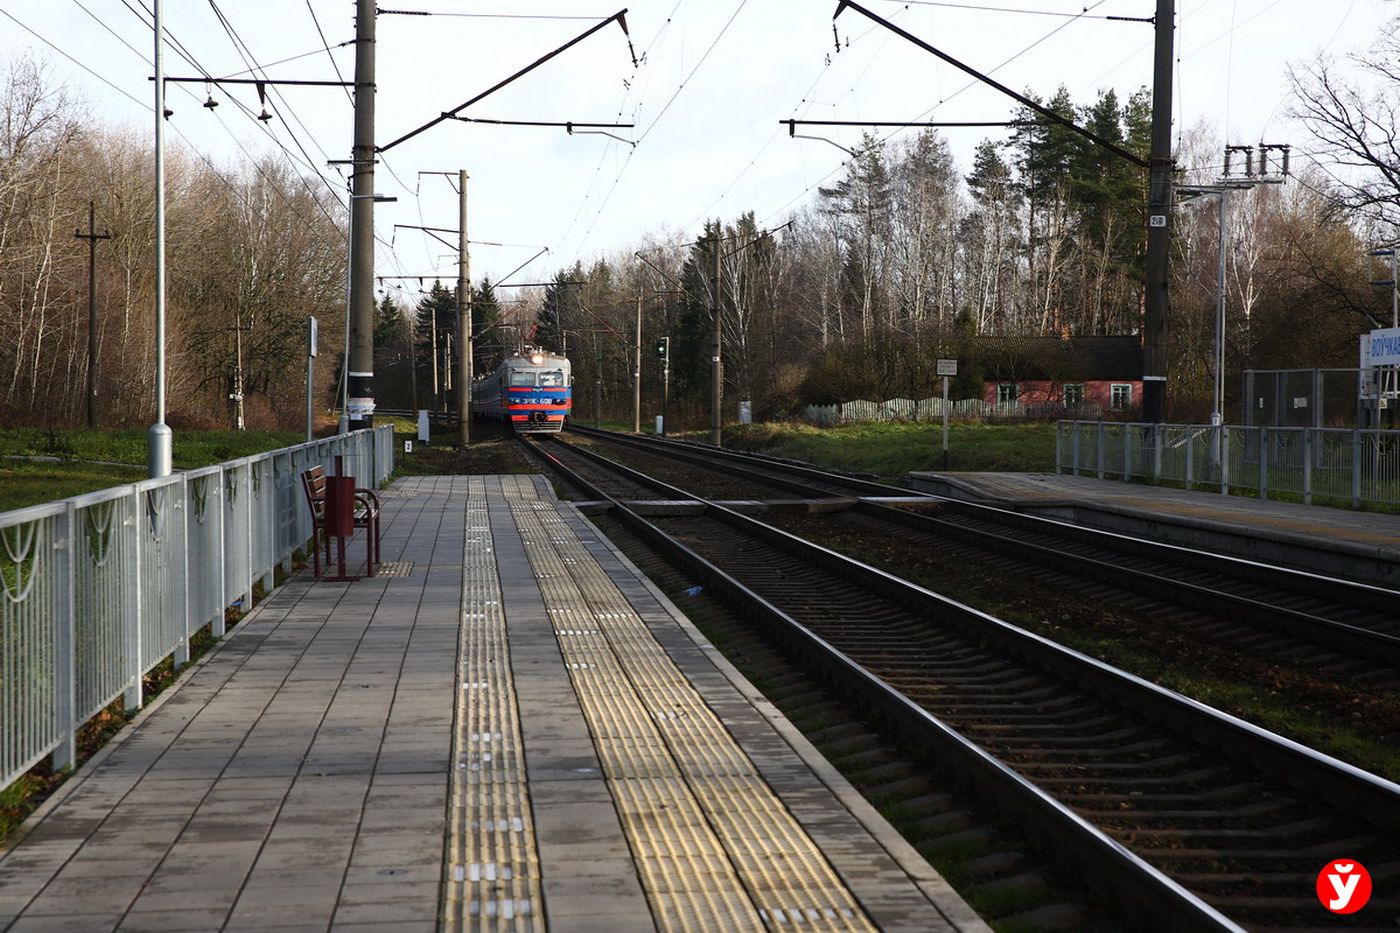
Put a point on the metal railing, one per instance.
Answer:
(1336, 464)
(96, 590)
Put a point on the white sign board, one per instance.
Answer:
(1381, 348)
(311, 336)
(408, 447)
(947, 367)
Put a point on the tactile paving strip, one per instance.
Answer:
(715, 846)
(493, 878)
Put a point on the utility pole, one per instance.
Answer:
(637, 369)
(1159, 204)
(464, 317)
(237, 394)
(597, 385)
(432, 331)
(92, 236)
(716, 367)
(360, 365)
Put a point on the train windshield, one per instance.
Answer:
(520, 377)
(552, 379)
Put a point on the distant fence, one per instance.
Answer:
(931, 409)
(1354, 466)
(98, 589)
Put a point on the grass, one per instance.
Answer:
(893, 449)
(75, 462)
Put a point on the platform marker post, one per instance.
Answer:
(946, 368)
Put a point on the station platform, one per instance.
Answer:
(509, 728)
(1356, 545)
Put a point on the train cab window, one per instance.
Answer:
(519, 378)
(552, 379)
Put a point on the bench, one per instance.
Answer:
(366, 515)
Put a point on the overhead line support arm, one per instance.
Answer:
(991, 82)
(620, 17)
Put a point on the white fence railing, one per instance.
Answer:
(931, 409)
(1362, 467)
(98, 589)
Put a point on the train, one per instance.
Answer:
(531, 391)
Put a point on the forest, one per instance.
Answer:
(907, 256)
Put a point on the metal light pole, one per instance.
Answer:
(637, 371)
(716, 367)
(464, 317)
(158, 439)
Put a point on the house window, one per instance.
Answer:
(1074, 395)
(1006, 393)
(1120, 395)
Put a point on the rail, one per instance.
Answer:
(1361, 467)
(98, 589)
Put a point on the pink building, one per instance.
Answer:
(1083, 375)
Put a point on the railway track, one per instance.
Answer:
(1260, 606)
(1192, 818)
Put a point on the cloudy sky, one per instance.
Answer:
(714, 79)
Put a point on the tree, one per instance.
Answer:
(487, 342)
(1355, 119)
(436, 318)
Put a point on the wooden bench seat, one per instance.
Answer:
(313, 482)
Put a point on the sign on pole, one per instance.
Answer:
(946, 368)
(1383, 347)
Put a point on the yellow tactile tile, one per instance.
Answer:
(493, 877)
(715, 846)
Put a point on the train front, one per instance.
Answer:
(541, 393)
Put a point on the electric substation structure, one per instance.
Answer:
(92, 236)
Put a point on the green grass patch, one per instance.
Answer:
(42, 466)
(893, 449)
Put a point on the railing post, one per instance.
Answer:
(1127, 440)
(131, 613)
(1356, 468)
(1059, 438)
(1100, 444)
(1224, 435)
(1308, 447)
(248, 534)
(1190, 457)
(182, 646)
(1263, 462)
(216, 624)
(1159, 432)
(1074, 426)
(65, 637)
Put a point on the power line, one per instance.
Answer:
(383, 11)
(1003, 9)
(334, 64)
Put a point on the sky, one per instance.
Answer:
(713, 81)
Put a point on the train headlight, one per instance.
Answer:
(537, 359)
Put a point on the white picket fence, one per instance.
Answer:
(98, 589)
(931, 409)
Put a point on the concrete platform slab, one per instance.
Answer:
(515, 730)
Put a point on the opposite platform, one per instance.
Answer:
(512, 730)
(1341, 542)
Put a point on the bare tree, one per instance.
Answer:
(1356, 118)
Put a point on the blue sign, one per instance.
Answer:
(1384, 347)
